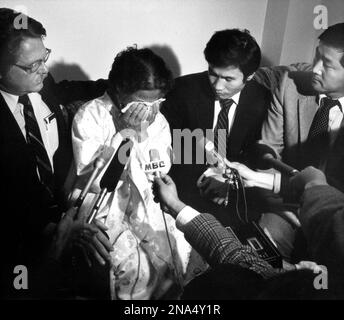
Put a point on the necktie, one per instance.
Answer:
(318, 137)
(319, 127)
(221, 128)
(34, 140)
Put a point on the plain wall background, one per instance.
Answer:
(88, 33)
(85, 35)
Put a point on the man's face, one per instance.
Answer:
(19, 81)
(328, 73)
(226, 82)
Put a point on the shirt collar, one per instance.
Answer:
(341, 100)
(236, 97)
(12, 99)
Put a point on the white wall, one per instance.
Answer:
(274, 30)
(289, 34)
(335, 10)
(300, 35)
(88, 33)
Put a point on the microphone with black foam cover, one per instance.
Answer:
(98, 164)
(110, 178)
(266, 158)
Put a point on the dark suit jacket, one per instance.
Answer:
(25, 208)
(288, 122)
(190, 105)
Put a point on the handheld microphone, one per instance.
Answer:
(98, 164)
(154, 156)
(267, 159)
(110, 179)
(209, 148)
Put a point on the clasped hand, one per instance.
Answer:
(74, 231)
(138, 116)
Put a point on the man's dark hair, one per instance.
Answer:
(11, 37)
(233, 47)
(334, 37)
(139, 69)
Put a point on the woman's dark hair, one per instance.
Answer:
(12, 34)
(233, 47)
(139, 69)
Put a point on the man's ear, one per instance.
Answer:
(250, 76)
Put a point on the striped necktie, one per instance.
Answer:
(318, 140)
(34, 140)
(221, 128)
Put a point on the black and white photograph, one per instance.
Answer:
(184, 152)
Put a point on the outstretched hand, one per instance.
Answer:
(248, 176)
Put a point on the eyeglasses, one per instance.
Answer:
(36, 65)
(145, 103)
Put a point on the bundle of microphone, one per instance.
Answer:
(249, 232)
(262, 156)
(107, 183)
(111, 177)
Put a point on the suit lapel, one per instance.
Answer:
(10, 127)
(63, 155)
(204, 111)
(247, 113)
(16, 156)
(239, 127)
(307, 107)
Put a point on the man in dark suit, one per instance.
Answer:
(35, 142)
(224, 98)
(304, 124)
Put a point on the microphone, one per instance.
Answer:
(110, 179)
(98, 164)
(209, 148)
(267, 159)
(154, 156)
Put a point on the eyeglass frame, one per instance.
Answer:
(39, 62)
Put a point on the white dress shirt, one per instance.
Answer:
(185, 216)
(231, 112)
(46, 121)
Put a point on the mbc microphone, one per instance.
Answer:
(98, 164)
(154, 158)
(110, 178)
(267, 159)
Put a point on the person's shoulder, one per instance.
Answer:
(49, 85)
(301, 82)
(192, 78)
(294, 77)
(96, 108)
